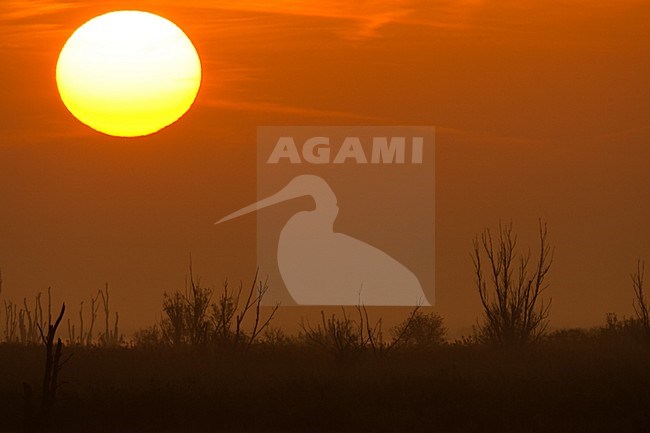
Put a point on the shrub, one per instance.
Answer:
(514, 313)
(420, 331)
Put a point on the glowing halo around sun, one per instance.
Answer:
(128, 73)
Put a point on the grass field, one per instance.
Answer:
(573, 382)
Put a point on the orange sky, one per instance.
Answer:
(541, 110)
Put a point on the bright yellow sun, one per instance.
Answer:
(128, 73)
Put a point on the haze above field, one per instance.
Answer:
(541, 111)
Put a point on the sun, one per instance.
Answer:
(128, 73)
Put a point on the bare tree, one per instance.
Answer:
(186, 320)
(51, 382)
(11, 322)
(640, 301)
(173, 324)
(420, 331)
(223, 313)
(53, 363)
(110, 337)
(94, 307)
(340, 336)
(229, 315)
(416, 330)
(191, 319)
(343, 335)
(514, 313)
(80, 336)
(197, 304)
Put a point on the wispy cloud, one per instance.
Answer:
(359, 19)
(366, 19)
(277, 108)
(26, 24)
(24, 9)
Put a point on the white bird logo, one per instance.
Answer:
(322, 267)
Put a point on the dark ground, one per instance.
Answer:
(570, 384)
